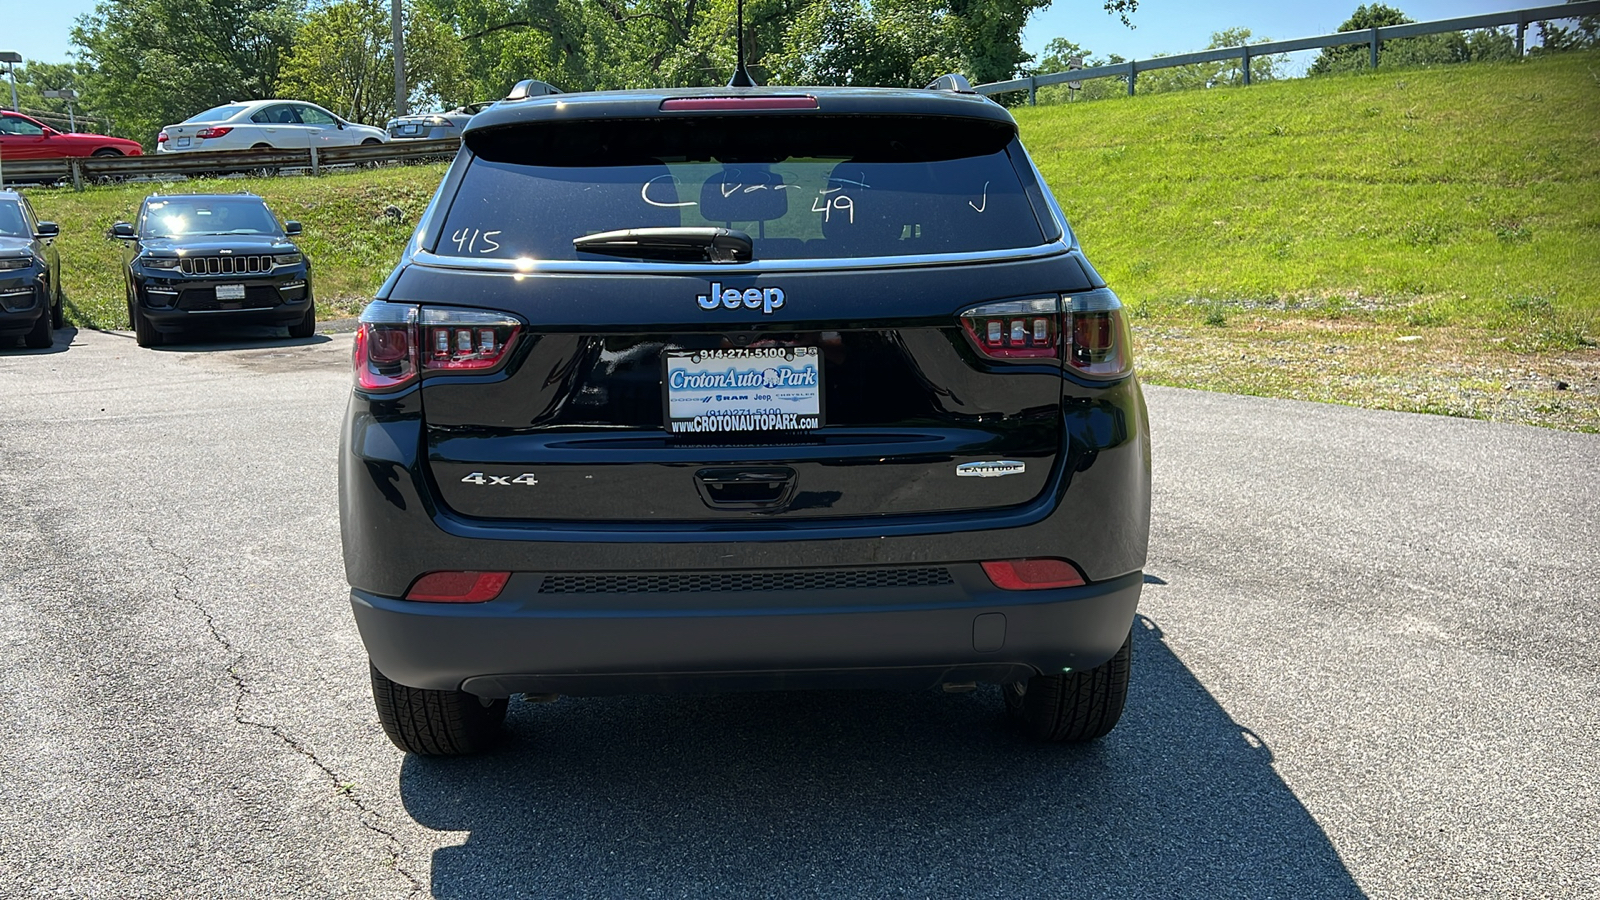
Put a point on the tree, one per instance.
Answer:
(160, 61)
(1583, 35)
(1056, 58)
(1354, 56)
(1226, 72)
(887, 43)
(343, 58)
(1423, 50)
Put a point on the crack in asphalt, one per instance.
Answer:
(368, 817)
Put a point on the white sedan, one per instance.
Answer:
(264, 124)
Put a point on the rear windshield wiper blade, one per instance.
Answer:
(718, 245)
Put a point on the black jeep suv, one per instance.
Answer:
(30, 275)
(743, 389)
(192, 261)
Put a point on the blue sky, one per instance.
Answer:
(39, 30)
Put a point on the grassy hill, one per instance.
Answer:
(1449, 192)
(1422, 240)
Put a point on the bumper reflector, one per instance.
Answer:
(1033, 574)
(458, 587)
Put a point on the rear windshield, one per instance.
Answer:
(802, 189)
(215, 114)
(179, 216)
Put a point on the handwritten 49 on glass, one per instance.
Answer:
(467, 240)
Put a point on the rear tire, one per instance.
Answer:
(307, 326)
(435, 723)
(144, 333)
(42, 335)
(1073, 706)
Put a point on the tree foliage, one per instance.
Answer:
(343, 59)
(159, 61)
(1424, 50)
(1222, 73)
(152, 62)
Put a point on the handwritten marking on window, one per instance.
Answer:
(826, 206)
(644, 194)
(466, 240)
(985, 199)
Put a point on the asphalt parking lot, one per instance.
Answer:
(1367, 665)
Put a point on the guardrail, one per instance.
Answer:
(1374, 37)
(114, 168)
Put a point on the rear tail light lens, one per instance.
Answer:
(161, 138)
(398, 342)
(1033, 574)
(1087, 331)
(212, 132)
(1101, 345)
(386, 346)
(458, 339)
(458, 587)
(1016, 329)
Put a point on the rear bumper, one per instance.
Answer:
(910, 638)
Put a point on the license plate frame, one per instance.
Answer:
(742, 390)
(230, 292)
(183, 142)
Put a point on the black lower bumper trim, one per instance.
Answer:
(512, 645)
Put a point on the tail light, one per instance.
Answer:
(466, 338)
(161, 138)
(458, 587)
(1017, 329)
(1033, 574)
(212, 132)
(398, 342)
(1088, 331)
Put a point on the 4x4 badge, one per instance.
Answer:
(764, 299)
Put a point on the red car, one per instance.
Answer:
(22, 137)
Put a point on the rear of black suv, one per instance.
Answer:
(743, 389)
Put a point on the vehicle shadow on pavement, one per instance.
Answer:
(62, 342)
(843, 794)
(242, 337)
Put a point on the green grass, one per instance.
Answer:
(1455, 195)
(1424, 239)
(352, 244)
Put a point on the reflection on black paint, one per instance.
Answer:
(872, 794)
(386, 475)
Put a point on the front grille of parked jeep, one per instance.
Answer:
(226, 265)
(711, 582)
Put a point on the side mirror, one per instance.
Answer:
(50, 132)
(122, 231)
(47, 230)
(291, 228)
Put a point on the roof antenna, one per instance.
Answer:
(741, 75)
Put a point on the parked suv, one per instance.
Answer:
(743, 389)
(193, 261)
(30, 275)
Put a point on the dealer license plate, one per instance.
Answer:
(230, 292)
(183, 142)
(743, 389)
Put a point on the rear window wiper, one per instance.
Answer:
(718, 245)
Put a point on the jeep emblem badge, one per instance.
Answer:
(992, 468)
(764, 299)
